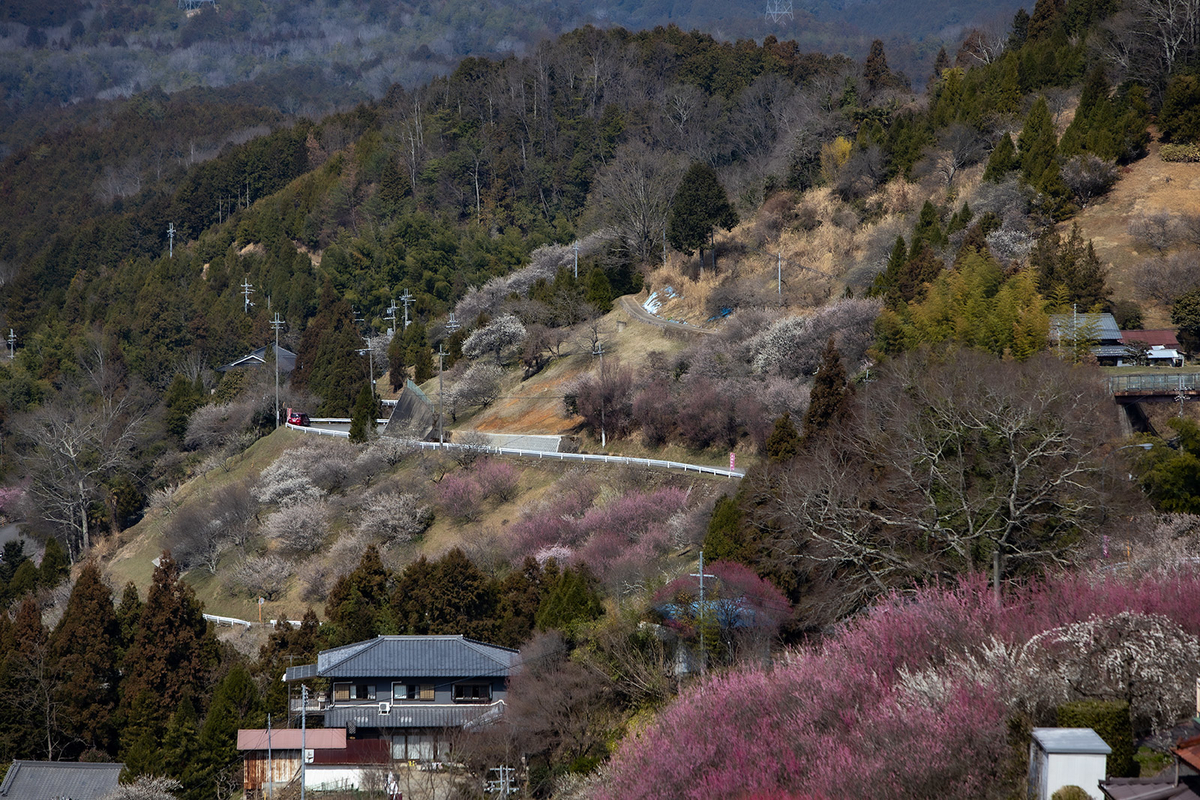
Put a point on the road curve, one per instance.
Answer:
(635, 310)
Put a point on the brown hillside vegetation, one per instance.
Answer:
(1146, 186)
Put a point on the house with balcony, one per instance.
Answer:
(412, 692)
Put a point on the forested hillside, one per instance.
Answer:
(937, 492)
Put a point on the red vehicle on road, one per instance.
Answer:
(298, 418)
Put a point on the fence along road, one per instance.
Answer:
(595, 458)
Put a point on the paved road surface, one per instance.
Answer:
(635, 310)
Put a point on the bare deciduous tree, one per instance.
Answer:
(76, 444)
(633, 195)
(1165, 278)
(953, 463)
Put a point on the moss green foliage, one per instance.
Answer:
(1185, 315)
(1070, 793)
(1179, 118)
(1171, 475)
(570, 601)
(1002, 161)
(1185, 153)
(974, 305)
(1111, 721)
(784, 442)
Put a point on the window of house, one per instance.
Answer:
(472, 692)
(412, 691)
(345, 692)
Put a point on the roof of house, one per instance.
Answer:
(1164, 337)
(410, 657)
(255, 358)
(290, 739)
(1074, 741)
(1102, 327)
(1159, 788)
(55, 780)
(410, 715)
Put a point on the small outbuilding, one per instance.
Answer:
(1061, 757)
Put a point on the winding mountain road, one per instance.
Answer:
(635, 310)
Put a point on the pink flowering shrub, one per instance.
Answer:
(914, 698)
(497, 479)
(460, 497)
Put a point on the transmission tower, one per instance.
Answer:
(778, 9)
(192, 5)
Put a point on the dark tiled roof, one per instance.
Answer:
(1160, 788)
(54, 780)
(410, 716)
(412, 657)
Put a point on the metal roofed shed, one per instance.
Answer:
(54, 780)
(1061, 757)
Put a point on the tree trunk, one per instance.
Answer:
(996, 561)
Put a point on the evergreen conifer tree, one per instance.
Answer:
(397, 362)
(1037, 143)
(700, 207)
(358, 601)
(235, 704)
(876, 72)
(180, 740)
(830, 396)
(725, 539)
(129, 615)
(55, 567)
(85, 649)
(141, 737)
(172, 650)
(784, 442)
(362, 418)
(569, 602)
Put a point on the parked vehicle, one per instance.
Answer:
(298, 418)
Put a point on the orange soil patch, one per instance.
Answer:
(1146, 186)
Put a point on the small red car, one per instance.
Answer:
(298, 418)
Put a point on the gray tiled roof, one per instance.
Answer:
(55, 780)
(409, 716)
(411, 657)
(1101, 326)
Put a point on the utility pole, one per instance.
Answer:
(247, 290)
(171, 238)
(12, 344)
(702, 575)
(441, 354)
(370, 362)
(277, 323)
(391, 315)
(599, 351)
(303, 736)
(270, 782)
(452, 324)
(406, 299)
(779, 272)
(576, 259)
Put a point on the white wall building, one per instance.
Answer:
(1061, 757)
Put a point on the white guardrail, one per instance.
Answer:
(217, 619)
(543, 455)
